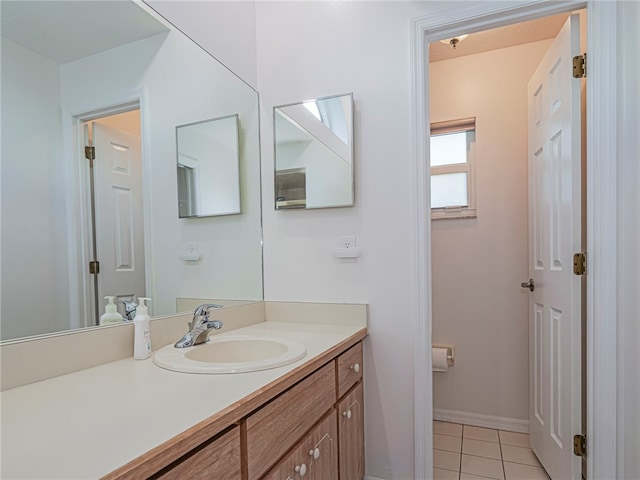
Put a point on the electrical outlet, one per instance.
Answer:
(191, 247)
(348, 241)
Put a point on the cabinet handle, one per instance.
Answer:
(355, 367)
(315, 453)
(347, 414)
(301, 469)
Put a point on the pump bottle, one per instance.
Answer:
(142, 337)
(110, 314)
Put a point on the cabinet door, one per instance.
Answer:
(323, 452)
(351, 430)
(315, 457)
(277, 426)
(220, 458)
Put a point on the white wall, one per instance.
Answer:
(226, 29)
(181, 84)
(478, 263)
(34, 250)
(314, 49)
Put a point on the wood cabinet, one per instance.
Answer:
(278, 425)
(217, 458)
(351, 433)
(315, 457)
(311, 429)
(349, 368)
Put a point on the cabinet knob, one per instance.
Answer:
(315, 453)
(347, 414)
(301, 469)
(355, 367)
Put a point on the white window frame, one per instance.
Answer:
(467, 125)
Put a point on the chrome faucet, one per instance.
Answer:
(200, 326)
(130, 310)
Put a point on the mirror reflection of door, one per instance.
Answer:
(187, 191)
(118, 227)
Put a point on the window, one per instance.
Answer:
(452, 176)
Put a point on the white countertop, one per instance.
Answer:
(88, 423)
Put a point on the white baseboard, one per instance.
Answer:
(478, 420)
(369, 477)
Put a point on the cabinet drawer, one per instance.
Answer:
(218, 458)
(278, 425)
(315, 457)
(349, 368)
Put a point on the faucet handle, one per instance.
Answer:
(206, 308)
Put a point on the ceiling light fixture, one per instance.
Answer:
(454, 41)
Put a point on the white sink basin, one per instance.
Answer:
(231, 354)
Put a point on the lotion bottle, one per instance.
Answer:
(110, 314)
(142, 337)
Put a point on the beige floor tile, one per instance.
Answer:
(446, 428)
(440, 474)
(519, 455)
(513, 438)
(481, 449)
(446, 460)
(483, 467)
(479, 433)
(447, 442)
(516, 471)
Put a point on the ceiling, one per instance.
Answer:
(64, 31)
(502, 37)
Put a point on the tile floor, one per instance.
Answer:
(462, 452)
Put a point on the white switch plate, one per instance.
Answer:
(348, 241)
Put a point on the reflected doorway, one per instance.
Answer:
(114, 221)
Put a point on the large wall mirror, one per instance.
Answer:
(208, 168)
(118, 78)
(314, 153)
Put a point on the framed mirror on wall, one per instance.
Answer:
(208, 155)
(138, 61)
(314, 153)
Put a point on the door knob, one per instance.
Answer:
(530, 285)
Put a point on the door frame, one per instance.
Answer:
(602, 205)
(81, 297)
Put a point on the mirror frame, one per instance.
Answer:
(237, 164)
(351, 148)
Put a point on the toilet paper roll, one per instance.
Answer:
(439, 359)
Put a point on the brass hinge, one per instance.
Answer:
(580, 66)
(579, 263)
(579, 445)
(94, 267)
(90, 153)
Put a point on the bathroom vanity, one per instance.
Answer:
(312, 429)
(130, 419)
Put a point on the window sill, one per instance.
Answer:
(443, 213)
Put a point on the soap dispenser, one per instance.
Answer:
(110, 314)
(142, 337)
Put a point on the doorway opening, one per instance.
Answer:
(478, 261)
(112, 205)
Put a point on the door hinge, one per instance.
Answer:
(579, 263)
(90, 153)
(94, 267)
(580, 66)
(579, 445)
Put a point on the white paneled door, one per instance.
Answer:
(119, 221)
(554, 236)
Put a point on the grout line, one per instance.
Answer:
(504, 470)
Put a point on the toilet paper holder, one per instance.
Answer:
(451, 353)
